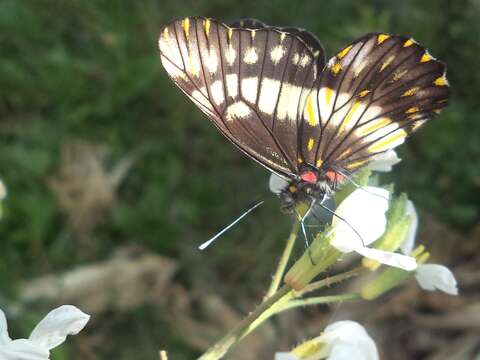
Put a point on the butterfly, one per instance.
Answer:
(270, 91)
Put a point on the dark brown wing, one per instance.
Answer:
(251, 83)
(312, 42)
(370, 96)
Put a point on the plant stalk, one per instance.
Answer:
(243, 328)
(282, 264)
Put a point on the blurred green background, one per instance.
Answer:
(99, 150)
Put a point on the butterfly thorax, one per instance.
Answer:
(312, 184)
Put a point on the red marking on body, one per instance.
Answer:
(333, 176)
(309, 177)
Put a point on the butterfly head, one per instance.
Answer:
(312, 183)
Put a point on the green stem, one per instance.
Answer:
(329, 281)
(316, 301)
(289, 298)
(243, 328)
(288, 302)
(282, 264)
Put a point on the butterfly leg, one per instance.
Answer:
(302, 223)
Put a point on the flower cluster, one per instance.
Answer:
(371, 222)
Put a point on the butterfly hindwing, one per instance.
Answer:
(251, 82)
(370, 96)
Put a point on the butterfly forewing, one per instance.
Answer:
(252, 83)
(371, 95)
(309, 39)
(267, 89)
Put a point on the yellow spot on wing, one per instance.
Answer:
(349, 115)
(206, 24)
(345, 153)
(344, 52)
(410, 92)
(165, 33)
(364, 93)
(398, 75)
(292, 188)
(389, 140)
(253, 33)
(230, 34)
(441, 81)
(374, 126)
(381, 38)
(355, 164)
(312, 121)
(310, 144)
(387, 62)
(300, 160)
(186, 26)
(328, 95)
(417, 124)
(336, 68)
(412, 110)
(425, 57)
(282, 36)
(319, 163)
(408, 43)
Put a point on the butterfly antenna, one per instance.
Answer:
(204, 245)
(345, 221)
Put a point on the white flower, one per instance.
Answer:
(342, 340)
(433, 276)
(429, 276)
(364, 221)
(50, 332)
(277, 184)
(385, 161)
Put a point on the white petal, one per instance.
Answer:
(409, 242)
(385, 161)
(347, 351)
(277, 184)
(285, 356)
(60, 322)
(3, 190)
(364, 213)
(4, 338)
(389, 258)
(348, 340)
(433, 276)
(23, 349)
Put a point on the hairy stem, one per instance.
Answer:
(316, 301)
(330, 281)
(282, 264)
(243, 328)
